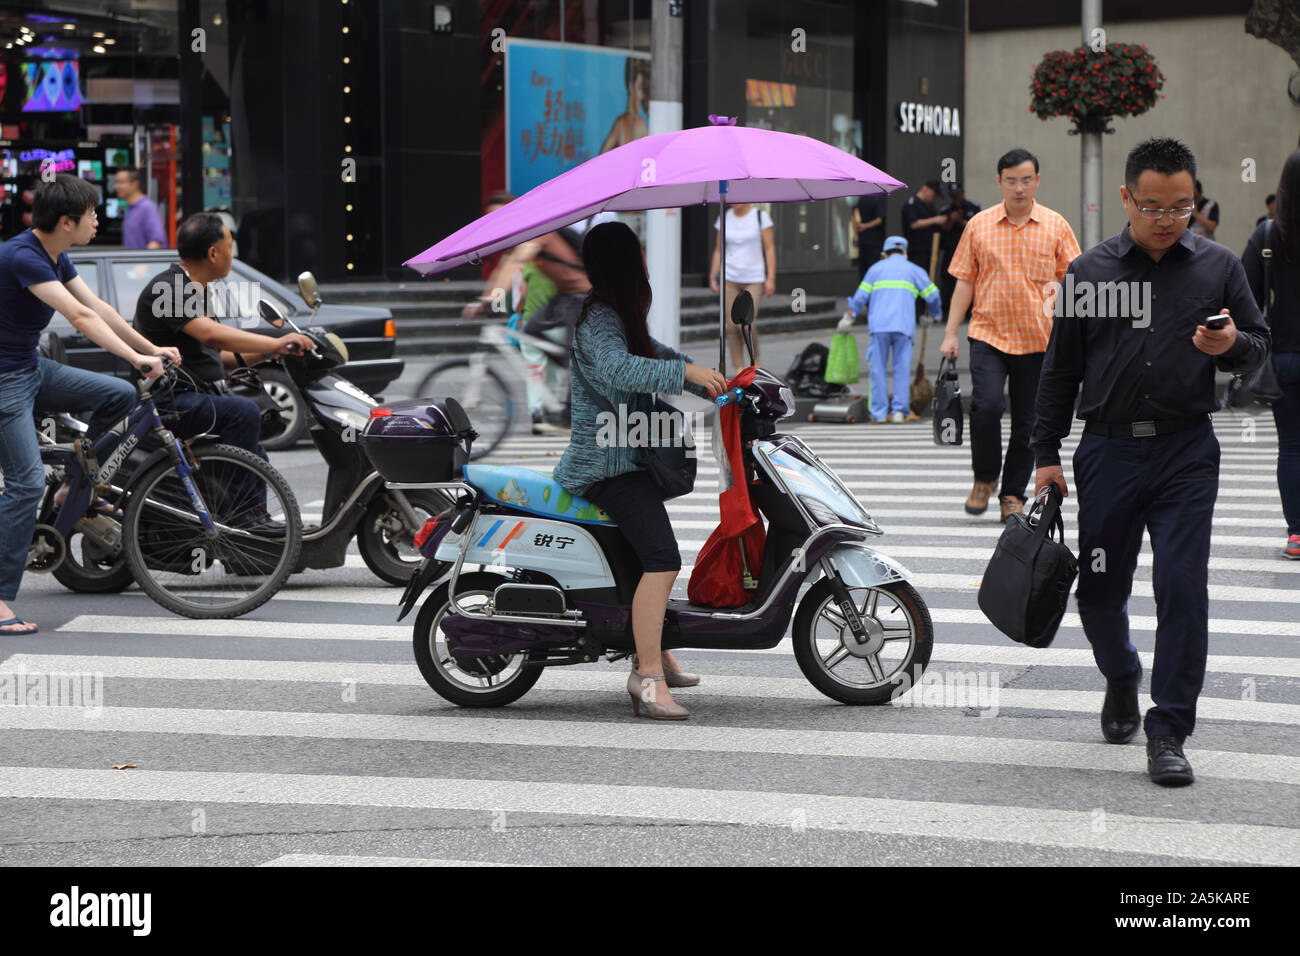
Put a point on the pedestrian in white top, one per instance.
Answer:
(751, 265)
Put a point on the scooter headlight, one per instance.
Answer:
(350, 418)
(820, 513)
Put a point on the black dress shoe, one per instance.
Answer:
(1166, 763)
(1120, 717)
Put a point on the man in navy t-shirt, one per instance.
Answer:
(36, 277)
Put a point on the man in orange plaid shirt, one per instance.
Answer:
(1006, 262)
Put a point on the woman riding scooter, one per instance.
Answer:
(614, 352)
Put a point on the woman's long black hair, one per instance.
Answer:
(611, 254)
(1288, 208)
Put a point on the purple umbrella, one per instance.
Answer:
(719, 163)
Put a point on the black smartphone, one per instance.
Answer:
(1215, 322)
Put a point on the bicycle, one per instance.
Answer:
(481, 390)
(211, 531)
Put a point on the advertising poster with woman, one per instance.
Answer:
(566, 103)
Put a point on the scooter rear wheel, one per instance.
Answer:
(484, 682)
(899, 641)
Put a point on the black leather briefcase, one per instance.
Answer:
(1027, 583)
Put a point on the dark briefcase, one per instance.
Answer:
(947, 404)
(1026, 585)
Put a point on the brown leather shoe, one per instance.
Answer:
(978, 502)
(1011, 505)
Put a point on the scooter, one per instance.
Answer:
(383, 521)
(563, 592)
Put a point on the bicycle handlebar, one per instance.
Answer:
(147, 385)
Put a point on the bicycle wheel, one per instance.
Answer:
(484, 396)
(255, 547)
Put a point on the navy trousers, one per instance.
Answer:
(1167, 485)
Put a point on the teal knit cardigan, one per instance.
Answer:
(622, 379)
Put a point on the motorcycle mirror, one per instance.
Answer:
(308, 290)
(742, 310)
(271, 313)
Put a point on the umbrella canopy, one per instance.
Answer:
(683, 168)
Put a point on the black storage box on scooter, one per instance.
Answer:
(418, 440)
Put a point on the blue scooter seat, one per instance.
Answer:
(533, 492)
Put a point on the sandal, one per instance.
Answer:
(17, 620)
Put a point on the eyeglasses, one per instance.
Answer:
(1177, 213)
(92, 214)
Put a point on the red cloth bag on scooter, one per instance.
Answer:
(726, 569)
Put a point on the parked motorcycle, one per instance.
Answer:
(357, 504)
(563, 594)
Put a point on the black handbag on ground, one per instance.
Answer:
(1259, 387)
(669, 456)
(946, 404)
(1026, 585)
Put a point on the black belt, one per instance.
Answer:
(1146, 429)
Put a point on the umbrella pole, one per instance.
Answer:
(722, 278)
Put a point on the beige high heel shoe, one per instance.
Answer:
(657, 711)
(675, 678)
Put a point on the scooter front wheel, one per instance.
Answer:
(483, 682)
(894, 653)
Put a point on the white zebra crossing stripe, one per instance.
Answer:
(1036, 826)
(224, 669)
(249, 627)
(1274, 565)
(602, 681)
(929, 581)
(465, 728)
(324, 859)
(1263, 522)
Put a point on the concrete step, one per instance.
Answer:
(818, 325)
(428, 313)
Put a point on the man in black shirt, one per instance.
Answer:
(920, 222)
(1129, 325)
(177, 307)
(870, 226)
(956, 214)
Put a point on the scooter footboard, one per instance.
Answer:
(863, 567)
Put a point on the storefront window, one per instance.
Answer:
(799, 82)
(89, 89)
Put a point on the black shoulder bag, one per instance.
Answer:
(1259, 388)
(946, 404)
(669, 458)
(1026, 585)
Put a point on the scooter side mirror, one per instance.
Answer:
(742, 310)
(308, 290)
(272, 314)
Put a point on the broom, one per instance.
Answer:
(921, 394)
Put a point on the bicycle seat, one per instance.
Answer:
(533, 492)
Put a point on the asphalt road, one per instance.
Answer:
(303, 733)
